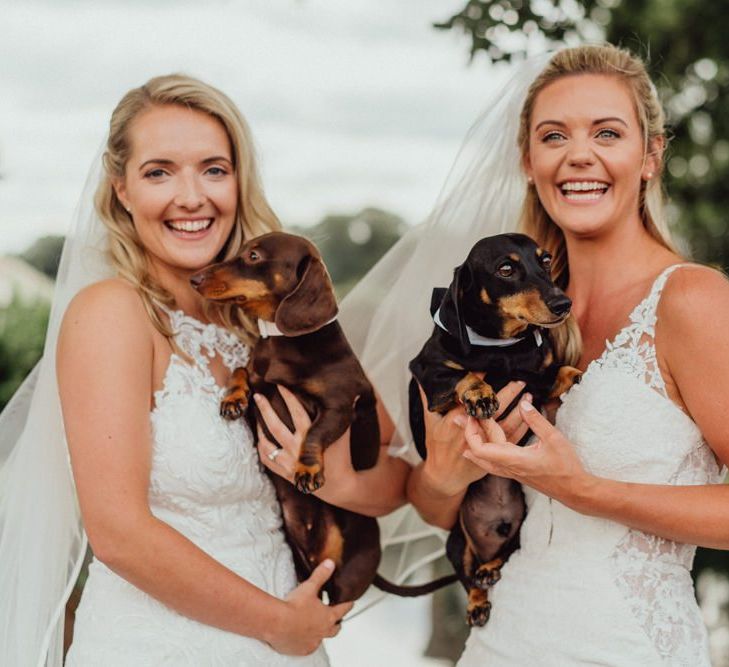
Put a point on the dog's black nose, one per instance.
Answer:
(197, 279)
(560, 305)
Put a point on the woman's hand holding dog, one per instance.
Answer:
(436, 487)
(549, 464)
(306, 619)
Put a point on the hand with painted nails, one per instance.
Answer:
(445, 467)
(548, 464)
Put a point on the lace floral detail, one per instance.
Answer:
(633, 349)
(653, 573)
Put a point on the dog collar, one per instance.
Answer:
(477, 339)
(268, 329)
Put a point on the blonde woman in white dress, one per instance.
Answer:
(627, 481)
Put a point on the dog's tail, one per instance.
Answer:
(413, 591)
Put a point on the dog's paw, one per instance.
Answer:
(480, 401)
(233, 407)
(478, 615)
(485, 577)
(308, 479)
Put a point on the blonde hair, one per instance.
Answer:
(253, 215)
(613, 61)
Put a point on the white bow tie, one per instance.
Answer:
(477, 339)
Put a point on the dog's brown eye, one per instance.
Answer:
(253, 256)
(547, 262)
(505, 270)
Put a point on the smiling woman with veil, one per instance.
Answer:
(571, 152)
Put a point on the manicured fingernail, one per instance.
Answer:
(526, 406)
(328, 564)
(460, 421)
(257, 398)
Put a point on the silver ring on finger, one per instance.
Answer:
(272, 455)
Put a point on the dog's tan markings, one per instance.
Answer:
(548, 360)
(566, 377)
(278, 279)
(488, 573)
(485, 296)
(514, 257)
(333, 545)
(477, 397)
(234, 405)
(316, 387)
(521, 309)
(308, 478)
(452, 364)
(262, 308)
(540, 252)
(479, 607)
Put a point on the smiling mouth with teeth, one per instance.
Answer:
(189, 225)
(583, 190)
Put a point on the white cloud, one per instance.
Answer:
(352, 103)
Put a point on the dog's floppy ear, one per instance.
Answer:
(311, 304)
(451, 314)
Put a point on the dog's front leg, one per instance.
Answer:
(566, 377)
(235, 402)
(329, 425)
(477, 396)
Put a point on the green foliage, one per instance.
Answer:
(685, 44)
(22, 333)
(45, 254)
(352, 244)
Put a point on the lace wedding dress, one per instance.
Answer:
(588, 591)
(207, 483)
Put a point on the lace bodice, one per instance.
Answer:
(207, 483)
(618, 596)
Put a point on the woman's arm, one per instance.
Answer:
(374, 492)
(693, 341)
(104, 365)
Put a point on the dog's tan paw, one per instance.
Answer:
(478, 615)
(480, 401)
(486, 577)
(234, 406)
(308, 478)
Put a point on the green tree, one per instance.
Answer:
(22, 333)
(684, 42)
(45, 254)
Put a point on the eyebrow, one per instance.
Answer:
(208, 160)
(599, 121)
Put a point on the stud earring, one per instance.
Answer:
(649, 175)
(530, 180)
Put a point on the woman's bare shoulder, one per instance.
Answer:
(108, 310)
(695, 297)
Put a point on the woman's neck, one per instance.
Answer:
(609, 265)
(177, 282)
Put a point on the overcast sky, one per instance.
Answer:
(351, 102)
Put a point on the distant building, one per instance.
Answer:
(19, 277)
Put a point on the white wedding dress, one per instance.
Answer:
(588, 591)
(207, 483)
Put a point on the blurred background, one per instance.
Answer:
(358, 108)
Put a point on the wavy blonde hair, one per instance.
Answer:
(535, 221)
(253, 215)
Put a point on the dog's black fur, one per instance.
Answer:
(503, 290)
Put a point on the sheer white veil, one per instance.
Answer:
(386, 316)
(42, 542)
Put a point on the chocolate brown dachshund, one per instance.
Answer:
(280, 280)
(491, 328)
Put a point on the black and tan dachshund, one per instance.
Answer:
(491, 327)
(280, 280)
